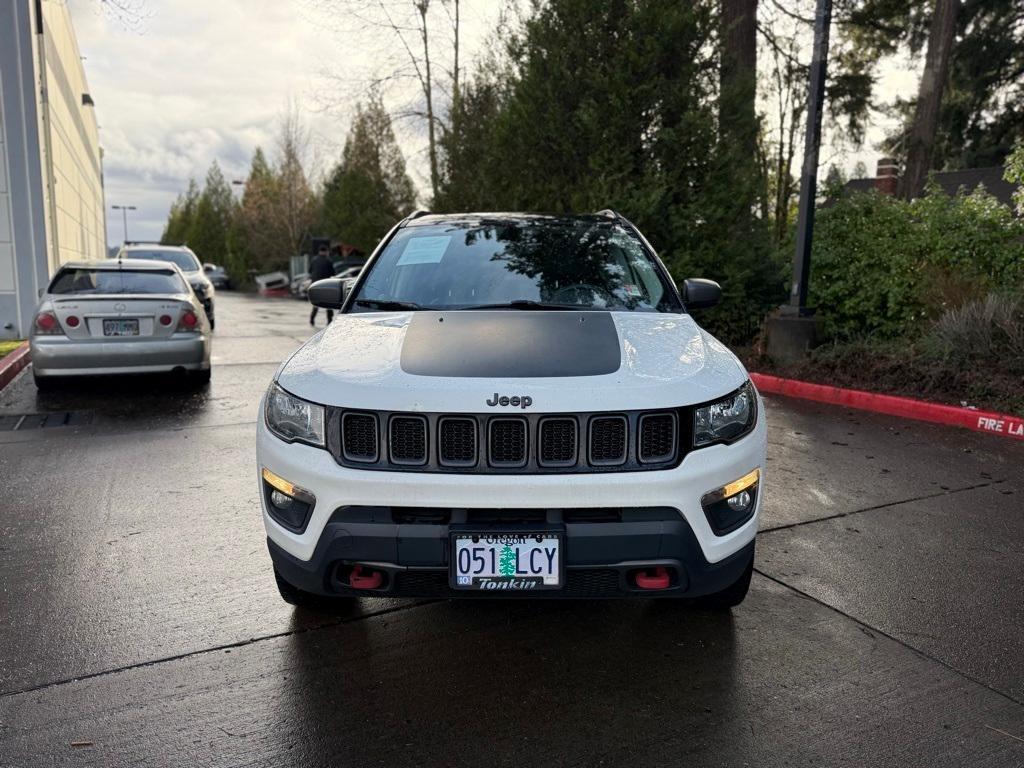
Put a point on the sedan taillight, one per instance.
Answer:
(188, 321)
(47, 324)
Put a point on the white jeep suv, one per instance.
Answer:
(512, 405)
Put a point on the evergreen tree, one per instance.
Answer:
(982, 97)
(183, 211)
(208, 231)
(369, 189)
(507, 562)
(615, 105)
(262, 240)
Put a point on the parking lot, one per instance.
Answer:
(140, 624)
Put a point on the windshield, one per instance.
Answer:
(575, 263)
(186, 260)
(102, 281)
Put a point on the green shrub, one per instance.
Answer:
(883, 267)
(987, 334)
(1015, 174)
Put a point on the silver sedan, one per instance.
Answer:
(119, 316)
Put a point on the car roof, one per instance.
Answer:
(153, 247)
(136, 264)
(428, 219)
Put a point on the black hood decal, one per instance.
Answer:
(511, 344)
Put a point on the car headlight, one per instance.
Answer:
(727, 419)
(292, 418)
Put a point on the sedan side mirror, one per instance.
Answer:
(699, 293)
(329, 293)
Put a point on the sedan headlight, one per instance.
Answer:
(291, 418)
(727, 419)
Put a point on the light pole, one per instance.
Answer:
(792, 331)
(809, 173)
(124, 212)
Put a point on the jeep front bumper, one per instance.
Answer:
(647, 519)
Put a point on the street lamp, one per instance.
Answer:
(793, 330)
(124, 212)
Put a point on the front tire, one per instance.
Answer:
(307, 600)
(732, 595)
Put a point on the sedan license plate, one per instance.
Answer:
(506, 561)
(120, 327)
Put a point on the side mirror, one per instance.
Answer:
(328, 294)
(699, 293)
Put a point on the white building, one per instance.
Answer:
(51, 172)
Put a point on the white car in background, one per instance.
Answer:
(119, 316)
(183, 257)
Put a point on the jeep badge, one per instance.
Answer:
(516, 401)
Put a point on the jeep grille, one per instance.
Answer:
(541, 443)
(360, 437)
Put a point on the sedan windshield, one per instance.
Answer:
(186, 260)
(107, 281)
(517, 264)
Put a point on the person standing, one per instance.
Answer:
(320, 268)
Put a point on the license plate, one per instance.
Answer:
(120, 327)
(506, 562)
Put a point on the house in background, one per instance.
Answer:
(51, 165)
(951, 182)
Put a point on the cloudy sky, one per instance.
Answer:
(195, 80)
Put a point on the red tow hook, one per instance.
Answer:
(656, 578)
(358, 580)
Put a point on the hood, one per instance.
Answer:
(561, 361)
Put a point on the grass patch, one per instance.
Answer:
(6, 347)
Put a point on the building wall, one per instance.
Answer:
(75, 199)
(23, 252)
(51, 181)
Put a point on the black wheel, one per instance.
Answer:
(44, 384)
(201, 378)
(307, 600)
(732, 595)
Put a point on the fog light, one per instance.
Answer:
(729, 507)
(740, 502)
(279, 499)
(287, 504)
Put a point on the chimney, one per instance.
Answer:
(887, 176)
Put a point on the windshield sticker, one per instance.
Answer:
(424, 250)
(631, 290)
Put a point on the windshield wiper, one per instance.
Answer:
(390, 305)
(527, 305)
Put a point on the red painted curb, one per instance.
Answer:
(12, 363)
(979, 421)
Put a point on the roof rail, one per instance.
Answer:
(417, 213)
(144, 242)
(608, 213)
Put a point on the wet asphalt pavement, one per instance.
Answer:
(139, 618)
